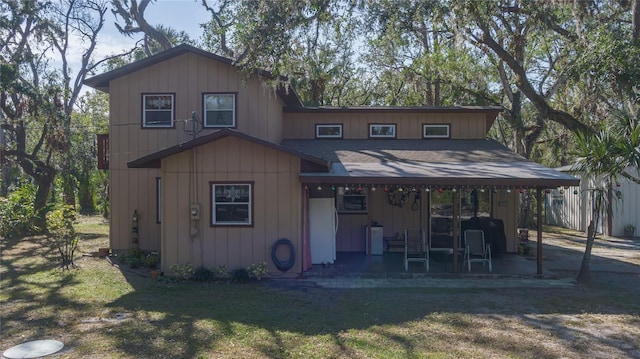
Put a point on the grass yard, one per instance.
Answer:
(99, 311)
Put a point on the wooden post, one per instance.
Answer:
(539, 231)
(369, 232)
(456, 222)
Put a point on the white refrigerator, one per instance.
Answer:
(323, 226)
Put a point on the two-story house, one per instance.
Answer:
(217, 167)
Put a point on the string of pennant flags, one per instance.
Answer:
(468, 189)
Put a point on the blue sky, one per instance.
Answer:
(181, 15)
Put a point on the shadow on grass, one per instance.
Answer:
(185, 319)
(196, 317)
(32, 289)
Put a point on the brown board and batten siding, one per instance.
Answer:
(187, 76)
(301, 125)
(394, 220)
(276, 205)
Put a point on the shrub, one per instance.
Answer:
(18, 214)
(183, 272)
(203, 274)
(151, 260)
(257, 270)
(221, 272)
(62, 234)
(133, 258)
(240, 275)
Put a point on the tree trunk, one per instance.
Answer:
(44, 183)
(86, 192)
(525, 210)
(68, 188)
(584, 276)
(635, 22)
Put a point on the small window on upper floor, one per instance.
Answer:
(219, 110)
(329, 131)
(382, 131)
(157, 110)
(436, 131)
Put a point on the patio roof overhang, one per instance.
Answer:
(429, 163)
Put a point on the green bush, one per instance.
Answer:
(151, 260)
(257, 270)
(203, 274)
(221, 272)
(62, 234)
(18, 214)
(133, 258)
(240, 275)
(183, 272)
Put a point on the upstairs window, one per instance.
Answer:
(219, 110)
(382, 131)
(436, 131)
(329, 131)
(158, 110)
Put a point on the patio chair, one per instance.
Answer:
(415, 248)
(475, 249)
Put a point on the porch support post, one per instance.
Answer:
(539, 231)
(369, 220)
(456, 222)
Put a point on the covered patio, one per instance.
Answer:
(441, 265)
(451, 169)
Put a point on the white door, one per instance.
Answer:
(322, 226)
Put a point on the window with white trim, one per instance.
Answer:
(157, 110)
(219, 110)
(436, 131)
(329, 131)
(231, 204)
(382, 130)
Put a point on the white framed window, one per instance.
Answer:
(382, 130)
(436, 131)
(351, 200)
(329, 131)
(219, 110)
(158, 110)
(231, 204)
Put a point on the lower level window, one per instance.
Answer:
(231, 204)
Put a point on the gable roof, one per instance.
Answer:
(101, 82)
(429, 162)
(153, 160)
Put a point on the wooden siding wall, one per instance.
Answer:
(506, 207)
(277, 197)
(259, 113)
(408, 125)
(351, 230)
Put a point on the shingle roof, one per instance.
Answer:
(406, 150)
(153, 160)
(437, 162)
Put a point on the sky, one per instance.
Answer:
(181, 15)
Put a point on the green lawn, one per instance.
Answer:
(99, 311)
